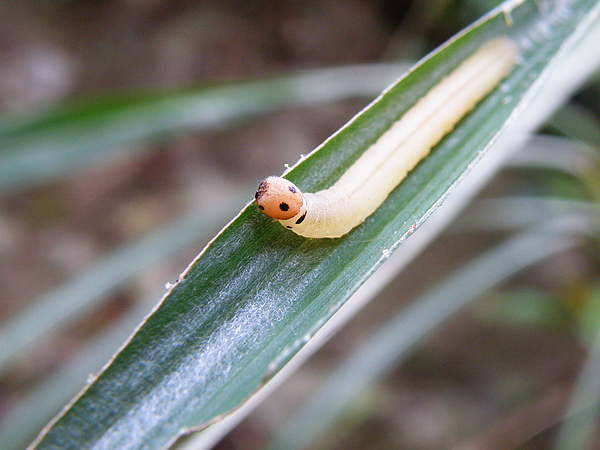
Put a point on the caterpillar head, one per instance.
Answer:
(278, 198)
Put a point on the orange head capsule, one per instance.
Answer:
(278, 198)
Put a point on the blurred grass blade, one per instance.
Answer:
(394, 341)
(581, 420)
(514, 214)
(76, 136)
(577, 122)
(257, 293)
(33, 410)
(564, 155)
(91, 287)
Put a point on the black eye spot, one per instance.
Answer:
(301, 219)
(261, 207)
(292, 189)
(256, 195)
(287, 226)
(284, 206)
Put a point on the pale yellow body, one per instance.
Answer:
(362, 189)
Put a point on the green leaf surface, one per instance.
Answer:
(89, 288)
(258, 293)
(396, 339)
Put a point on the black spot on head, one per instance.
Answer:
(292, 189)
(261, 207)
(301, 219)
(284, 206)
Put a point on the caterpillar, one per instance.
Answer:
(333, 212)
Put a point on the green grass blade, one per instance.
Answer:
(395, 340)
(575, 121)
(513, 214)
(90, 288)
(257, 293)
(39, 150)
(581, 419)
(564, 155)
(35, 408)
